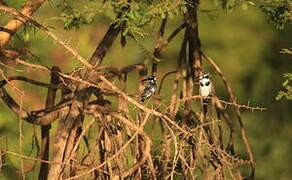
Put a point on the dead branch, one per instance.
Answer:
(9, 101)
(95, 109)
(42, 117)
(31, 158)
(162, 79)
(157, 48)
(30, 65)
(31, 81)
(173, 34)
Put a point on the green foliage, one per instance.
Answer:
(27, 30)
(287, 93)
(74, 18)
(134, 16)
(278, 12)
(143, 12)
(229, 5)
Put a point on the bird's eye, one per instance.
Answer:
(207, 83)
(201, 84)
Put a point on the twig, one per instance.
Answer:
(174, 33)
(10, 67)
(25, 79)
(21, 137)
(78, 141)
(6, 80)
(226, 102)
(162, 79)
(128, 123)
(157, 48)
(32, 65)
(50, 34)
(243, 106)
(175, 157)
(32, 158)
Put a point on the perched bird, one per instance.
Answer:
(206, 89)
(150, 88)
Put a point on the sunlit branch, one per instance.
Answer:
(44, 29)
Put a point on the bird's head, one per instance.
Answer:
(151, 79)
(204, 76)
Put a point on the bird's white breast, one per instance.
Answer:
(205, 87)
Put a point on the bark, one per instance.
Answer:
(68, 126)
(195, 60)
(45, 130)
(13, 25)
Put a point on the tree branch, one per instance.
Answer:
(7, 31)
(45, 130)
(50, 34)
(31, 81)
(158, 45)
(9, 101)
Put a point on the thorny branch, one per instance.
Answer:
(187, 147)
(233, 100)
(49, 33)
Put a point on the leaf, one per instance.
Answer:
(280, 95)
(244, 6)
(285, 83)
(26, 36)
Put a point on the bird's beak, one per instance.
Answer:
(197, 78)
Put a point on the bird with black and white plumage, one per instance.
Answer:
(149, 89)
(206, 89)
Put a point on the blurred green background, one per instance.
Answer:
(242, 42)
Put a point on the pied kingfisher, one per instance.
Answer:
(206, 89)
(150, 88)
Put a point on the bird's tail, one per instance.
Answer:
(142, 99)
(218, 113)
(205, 106)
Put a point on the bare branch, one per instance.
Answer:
(139, 130)
(31, 158)
(164, 77)
(30, 65)
(157, 47)
(31, 81)
(9, 101)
